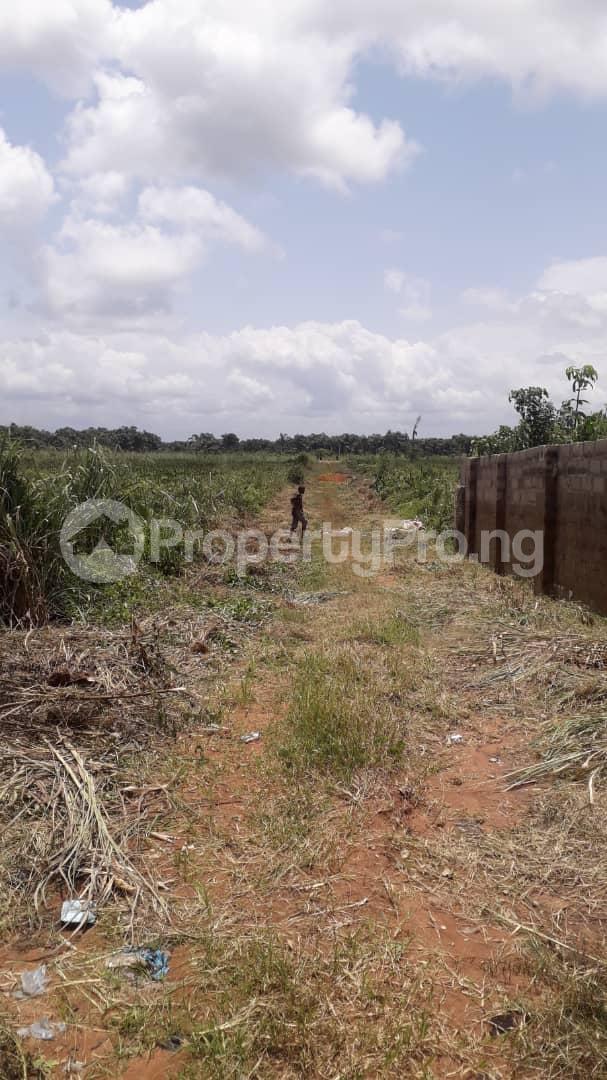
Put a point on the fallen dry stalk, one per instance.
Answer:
(77, 841)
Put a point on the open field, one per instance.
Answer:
(355, 893)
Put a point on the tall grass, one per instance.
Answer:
(38, 491)
(423, 488)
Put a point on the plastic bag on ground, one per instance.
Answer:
(44, 1029)
(34, 983)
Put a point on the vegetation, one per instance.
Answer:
(541, 422)
(129, 439)
(423, 488)
(38, 491)
(335, 724)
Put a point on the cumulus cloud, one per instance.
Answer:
(584, 278)
(60, 41)
(26, 187)
(231, 123)
(101, 193)
(313, 375)
(117, 271)
(317, 373)
(198, 210)
(170, 99)
(132, 269)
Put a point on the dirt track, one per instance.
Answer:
(414, 861)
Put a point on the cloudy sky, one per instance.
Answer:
(299, 216)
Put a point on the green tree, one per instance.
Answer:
(581, 379)
(537, 413)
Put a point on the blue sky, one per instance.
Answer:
(215, 219)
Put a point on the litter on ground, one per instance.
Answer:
(43, 1029)
(33, 983)
(152, 962)
(79, 913)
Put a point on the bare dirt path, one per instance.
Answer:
(347, 891)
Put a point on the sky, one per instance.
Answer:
(260, 217)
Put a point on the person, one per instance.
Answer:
(297, 511)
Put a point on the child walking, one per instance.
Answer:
(297, 511)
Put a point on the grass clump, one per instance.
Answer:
(336, 725)
(15, 1062)
(566, 1033)
(396, 629)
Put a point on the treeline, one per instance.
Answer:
(131, 439)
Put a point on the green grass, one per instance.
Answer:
(336, 725)
(394, 630)
(420, 488)
(38, 491)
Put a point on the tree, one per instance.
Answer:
(537, 415)
(230, 441)
(581, 378)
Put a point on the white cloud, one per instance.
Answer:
(586, 277)
(26, 187)
(132, 270)
(312, 375)
(115, 271)
(222, 47)
(195, 209)
(187, 90)
(231, 123)
(101, 193)
(59, 40)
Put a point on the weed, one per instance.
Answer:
(334, 725)
(394, 630)
(15, 1062)
(566, 1032)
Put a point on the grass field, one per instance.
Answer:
(352, 892)
(414, 488)
(38, 491)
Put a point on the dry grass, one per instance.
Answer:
(78, 708)
(15, 1062)
(306, 931)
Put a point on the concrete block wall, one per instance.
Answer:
(558, 490)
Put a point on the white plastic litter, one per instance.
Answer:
(44, 1029)
(408, 525)
(253, 736)
(78, 913)
(34, 983)
(455, 738)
